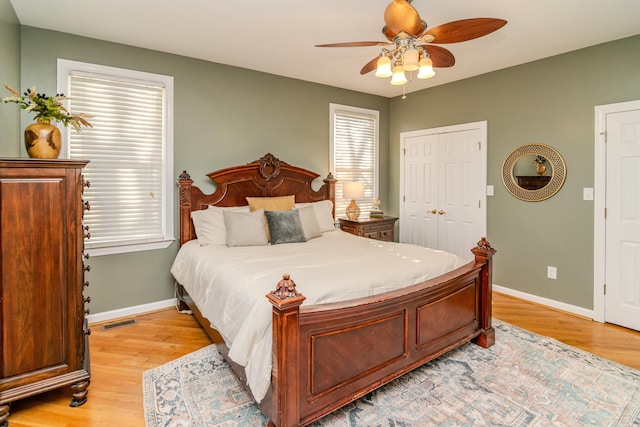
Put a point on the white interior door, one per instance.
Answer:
(622, 229)
(419, 222)
(443, 181)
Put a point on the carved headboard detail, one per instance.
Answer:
(265, 177)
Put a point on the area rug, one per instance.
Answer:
(523, 380)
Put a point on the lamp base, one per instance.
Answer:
(353, 211)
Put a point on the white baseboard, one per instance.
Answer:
(159, 305)
(584, 312)
(130, 311)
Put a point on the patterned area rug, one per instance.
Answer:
(523, 380)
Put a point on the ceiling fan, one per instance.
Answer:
(411, 46)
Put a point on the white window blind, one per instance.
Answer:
(354, 153)
(130, 194)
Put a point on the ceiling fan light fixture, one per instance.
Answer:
(426, 68)
(411, 59)
(398, 77)
(383, 68)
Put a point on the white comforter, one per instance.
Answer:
(229, 284)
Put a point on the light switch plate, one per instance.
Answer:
(489, 190)
(587, 194)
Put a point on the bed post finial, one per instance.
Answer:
(483, 250)
(286, 288)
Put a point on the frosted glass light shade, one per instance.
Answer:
(383, 67)
(411, 59)
(426, 68)
(398, 77)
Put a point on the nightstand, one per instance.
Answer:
(373, 228)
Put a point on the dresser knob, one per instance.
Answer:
(86, 284)
(88, 332)
(87, 183)
(87, 300)
(87, 206)
(86, 256)
(87, 268)
(87, 311)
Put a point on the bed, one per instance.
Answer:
(322, 351)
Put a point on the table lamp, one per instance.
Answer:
(353, 191)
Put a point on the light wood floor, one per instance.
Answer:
(119, 357)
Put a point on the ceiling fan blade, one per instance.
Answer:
(401, 16)
(354, 44)
(370, 66)
(465, 29)
(440, 56)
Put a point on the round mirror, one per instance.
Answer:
(533, 172)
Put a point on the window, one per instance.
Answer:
(354, 152)
(130, 149)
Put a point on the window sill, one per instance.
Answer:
(127, 248)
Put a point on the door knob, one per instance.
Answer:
(441, 212)
(432, 211)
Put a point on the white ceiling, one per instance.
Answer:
(278, 36)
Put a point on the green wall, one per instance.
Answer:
(9, 74)
(224, 116)
(552, 102)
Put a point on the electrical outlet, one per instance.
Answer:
(552, 272)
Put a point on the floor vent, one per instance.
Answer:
(118, 324)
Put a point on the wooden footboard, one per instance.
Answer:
(325, 356)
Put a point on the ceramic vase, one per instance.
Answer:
(42, 140)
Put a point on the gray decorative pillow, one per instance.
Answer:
(245, 229)
(285, 227)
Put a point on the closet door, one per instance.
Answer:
(443, 188)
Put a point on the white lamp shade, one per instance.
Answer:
(398, 77)
(383, 67)
(353, 190)
(426, 68)
(411, 59)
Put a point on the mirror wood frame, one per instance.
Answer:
(558, 172)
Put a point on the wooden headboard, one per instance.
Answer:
(265, 177)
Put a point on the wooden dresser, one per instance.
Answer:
(42, 308)
(373, 228)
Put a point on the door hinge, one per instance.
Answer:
(479, 204)
(605, 288)
(479, 145)
(605, 213)
(404, 151)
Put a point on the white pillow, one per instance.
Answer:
(309, 222)
(324, 214)
(209, 224)
(245, 229)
